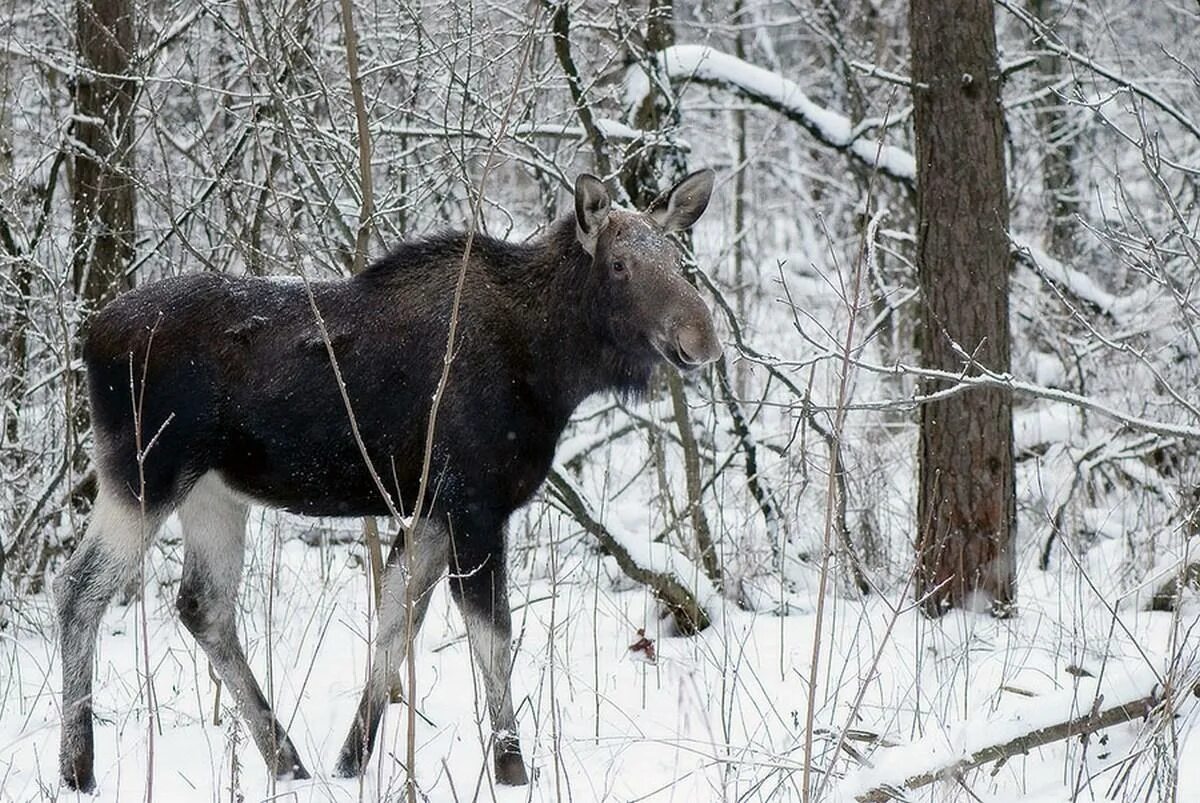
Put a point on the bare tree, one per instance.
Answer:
(966, 503)
(103, 207)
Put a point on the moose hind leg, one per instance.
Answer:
(409, 579)
(214, 534)
(107, 558)
(479, 589)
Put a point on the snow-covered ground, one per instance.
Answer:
(717, 717)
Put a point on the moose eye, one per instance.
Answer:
(618, 267)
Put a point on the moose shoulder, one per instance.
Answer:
(231, 378)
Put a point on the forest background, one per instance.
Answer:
(938, 498)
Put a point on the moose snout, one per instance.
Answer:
(697, 344)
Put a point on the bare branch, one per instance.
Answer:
(1047, 39)
(962, 383)
(690, 617)
(366, 192)
(709, 67)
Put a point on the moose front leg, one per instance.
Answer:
(479, 588)
(410, 576)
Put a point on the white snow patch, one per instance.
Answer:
(1079, 284)
(1050, 422)
(1045, 369)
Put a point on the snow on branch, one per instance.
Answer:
(711, 67)
(1046, 38)
(1090, 705)
(1075, 282)
(611, 129)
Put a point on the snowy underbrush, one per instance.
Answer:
(717, 717)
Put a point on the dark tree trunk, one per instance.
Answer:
(966, 504)
(102, 213)
(1060, 180)
(644, 167)
(102, 208)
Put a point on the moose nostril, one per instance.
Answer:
(697, 345)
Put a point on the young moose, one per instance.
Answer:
(231, 379)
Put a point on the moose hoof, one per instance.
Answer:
(510, 770)
(77, 783)
(288, 766)
(348, 766)
(78, 778)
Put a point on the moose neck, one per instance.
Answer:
(576, 355)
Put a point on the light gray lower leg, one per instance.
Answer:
(483, 600)
(408, 583)
(214, 531)
(107, 558)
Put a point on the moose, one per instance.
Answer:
(210, 391)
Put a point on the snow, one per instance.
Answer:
(1045, 369)
(720, 716)
(708, 64)
(659, 557)
(717, 716)
(1045, 423)
(951, 744)
(704, 63)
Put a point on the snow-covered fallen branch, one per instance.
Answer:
(705, 65)
(660, 567)
(1091, 705)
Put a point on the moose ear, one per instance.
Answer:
(592, 205)
(685, 203)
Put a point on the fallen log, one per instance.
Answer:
(1102, 714)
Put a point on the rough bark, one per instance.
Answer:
(13, 318)
(644, 166)
(102, 212)
(966, 503)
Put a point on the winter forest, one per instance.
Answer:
(923, 531)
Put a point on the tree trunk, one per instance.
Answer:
(102, 224)
(13, 317)
(966, 504)
(645, 169)
(1060, 180)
